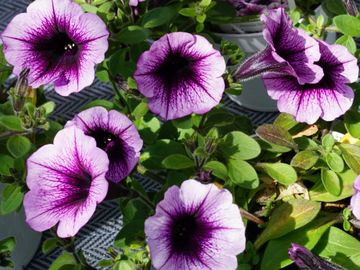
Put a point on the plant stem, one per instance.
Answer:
(250, 216)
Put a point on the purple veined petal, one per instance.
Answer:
(355, 199)
(58, 43)
(196, 226)
(290, 51)
(255, 7)
(181, 74)
(116, 135)
(327, 99)
(66, 181)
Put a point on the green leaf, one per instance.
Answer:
(219, 119)
(276, 252)
(133, 34)
(319, 193)
(7, 244)
(124, 265)
(153, 155)
(352, 123)
(305, 143)
(348, 42)
(289, 216)
(239, 144)
(135, 209)
(18, 146)
(333, 7)
(351, 154)
(5, 70)
(177, 162)
(120, 64)
(281, 172)
(285, 121)
(305, 159)
(99, 102)
(331, 182)
(49, 107)
(242, 174)
(140, 110)
(348, 25)
(276, 135)
(335, 162)
(12, 198)
(328, 141)
(11, 122)
(6, 163)
(105, 7)
(340, 248)
(49, 244)
(130, 232)
(222, 12)
(188, 12)
(218, 169)
(64, 259)
(158, 16)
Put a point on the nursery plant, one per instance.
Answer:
(281, 195)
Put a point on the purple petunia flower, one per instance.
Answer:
(135, 3)
(306, 260)
(58, 42)
(116, 135)
(181, 74)
(66, 181)
(289, 51)
(256, 7)
(355, 199)
(328, 99)
(196, 227)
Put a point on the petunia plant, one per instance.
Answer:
(229, 195)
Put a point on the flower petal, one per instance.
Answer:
(66, 181)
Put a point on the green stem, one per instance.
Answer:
(250, 216)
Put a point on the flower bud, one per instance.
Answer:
(306, 260)
(351, 7)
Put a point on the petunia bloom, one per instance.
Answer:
(289, 51)
(328, 99)
(255, 7)
(195, 227)
(58, 43)
(181, 74)
(66, 181)
(306, 260)
(355, 199)
(116, 135)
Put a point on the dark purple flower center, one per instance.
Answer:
(57, 46)
(76, 186)
(103, 138)
(175, 68)
(189, 234)
(115, 149)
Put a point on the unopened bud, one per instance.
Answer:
(351, 7)
(306, 260)
(21, 91)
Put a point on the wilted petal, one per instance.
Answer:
(66, 181)
(181, 74)
(196, 227)
(58, 43)
(116, 135)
